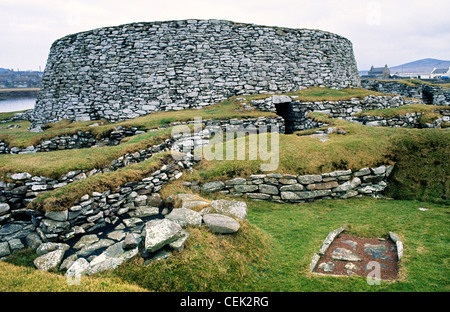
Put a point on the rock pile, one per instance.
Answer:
(146, 231)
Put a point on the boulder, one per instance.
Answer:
(209, 187)
(67, 262)
(21, 176)
(86, 240)
(159, 233)
(349, 185)
(54, 227)
(189, 201)
(144, 211)
(268, 189)
(178, 245)
(129, 242)
(95, 247)
(45, 248)
(4, 249)
(221, 224)
(154, 200)
(185, 217)
(111, 258)
(344, 255)
(57, 215)
(231, 208)
(50, 260)
(308, 179)
(4, 208)
(33, 240)
(246, 188)
(78, 268)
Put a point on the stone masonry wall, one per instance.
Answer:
(432, 95)
(127, 71)
(294, 112)
(86, 139)
(302, 188)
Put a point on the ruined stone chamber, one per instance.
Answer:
(122, 72)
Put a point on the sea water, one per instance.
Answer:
(17, 104)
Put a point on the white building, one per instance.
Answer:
(440, 72)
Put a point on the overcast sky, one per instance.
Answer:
(389, 32)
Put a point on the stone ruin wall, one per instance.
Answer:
(122, 72)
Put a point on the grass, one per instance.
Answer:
(18, 274)
(314, 94)
(272, 252)
(65, 197)
(228, 109)
(57, 163)
(402, 110)
(421, 171)
(420, 155)
(18, 90)
(7, 115)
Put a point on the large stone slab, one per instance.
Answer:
(209, 187)
(159, 233)
(231, 208)
(78, 268)
(221, 224)
(4, 249)
(344, 254)
(50, 260)
(185, 217)
(95, 247)
(111, 258)
(329, 239)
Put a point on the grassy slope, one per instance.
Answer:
(422, 165)
(429, 112)
(56, 163)
(64, 197)
(21, 276)
(273, 250)
(401, 111)
(227, 109)
(421, 172)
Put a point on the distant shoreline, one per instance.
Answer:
(18, 93)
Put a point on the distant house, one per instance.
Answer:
(440, 73)
(379, 72)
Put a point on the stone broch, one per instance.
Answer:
(127, 71)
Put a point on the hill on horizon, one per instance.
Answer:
(419, 66)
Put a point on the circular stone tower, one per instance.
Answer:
(126, 71)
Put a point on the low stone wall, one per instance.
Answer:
(81, 139)
(88, 214)
(84, 139)
(19, 116)
(302, 188)
(23, 187)
(294, 112)
(412, 120)
(432, 95)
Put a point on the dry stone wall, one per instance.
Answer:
(432, 95)
(302, 188)
(126, 71)
(294, 112)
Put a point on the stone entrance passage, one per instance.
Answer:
(348, 255)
